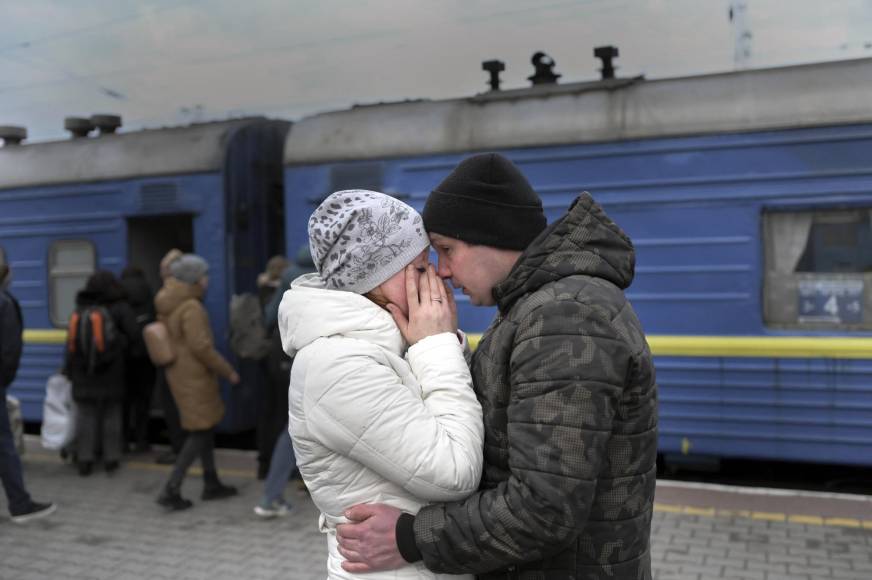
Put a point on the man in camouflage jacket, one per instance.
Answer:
(566, 382)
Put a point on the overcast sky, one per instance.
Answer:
(168, 62)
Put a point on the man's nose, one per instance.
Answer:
(443, 271)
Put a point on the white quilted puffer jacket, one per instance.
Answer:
(370, 424)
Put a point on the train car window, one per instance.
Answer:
(818, 272)
(2, 256)
(71, 262)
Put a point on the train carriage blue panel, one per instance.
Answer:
(27, 243)
(213, 188)
(696, 199)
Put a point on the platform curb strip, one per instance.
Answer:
(764, 516)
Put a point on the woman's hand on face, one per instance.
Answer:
(431, 306)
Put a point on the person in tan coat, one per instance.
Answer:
(167, 404)
(193, 377)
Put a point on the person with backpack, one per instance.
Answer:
(22, 508)
(102, 333)
(193, 377)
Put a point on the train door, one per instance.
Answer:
(150, 238)
(254, 186)
(254, 218)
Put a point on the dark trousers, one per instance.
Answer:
(137, 401)
(99, 428)
(170, 411)
(272, 416)
(10, 464)
(197, 444)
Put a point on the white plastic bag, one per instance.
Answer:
(58, 413)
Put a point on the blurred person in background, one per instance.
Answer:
(22, 508)
(167, 404)
(102, 335)
(272, 406)
(268, 281)
(193, 377)
(283, 462)
(140, 371)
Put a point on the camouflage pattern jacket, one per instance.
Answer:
(567, 387)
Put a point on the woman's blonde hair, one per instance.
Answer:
(377, 297)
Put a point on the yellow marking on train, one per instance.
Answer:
(753, 346)
(44, 336)
(664, 345)
(761, 346)
(762, 516)
(686, 445)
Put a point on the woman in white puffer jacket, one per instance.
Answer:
(377, 414)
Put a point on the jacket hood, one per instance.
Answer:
(309, 311)
(173, 293)
(138, 291)
(90, 297)
(585, 241)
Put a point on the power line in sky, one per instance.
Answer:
(97, 26)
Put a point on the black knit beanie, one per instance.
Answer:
(486, 200)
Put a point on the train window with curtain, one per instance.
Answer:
(818, 270)
(70, 263)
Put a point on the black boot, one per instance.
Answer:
(85, 468)
(213, 488)
(171, 499)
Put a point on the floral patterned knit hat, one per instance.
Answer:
(361, 238)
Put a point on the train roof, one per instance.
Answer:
(187, 149)
(776, 98)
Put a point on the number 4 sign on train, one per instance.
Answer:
(839, 301)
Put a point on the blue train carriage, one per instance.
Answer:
(73, 206)
(748, 196)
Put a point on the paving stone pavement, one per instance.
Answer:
(691, 547)
(110, 528)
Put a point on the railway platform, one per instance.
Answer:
(110, 527)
